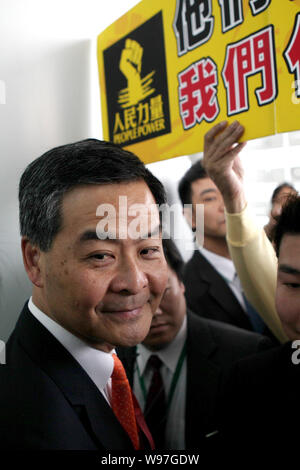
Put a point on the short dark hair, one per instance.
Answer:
(173, 257)
(279, 188)
(48, 178)
(194, 173)
(288, 222)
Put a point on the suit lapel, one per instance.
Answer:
(73, 382)
(217, 288)
(203, 379)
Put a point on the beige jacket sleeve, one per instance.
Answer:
(256, 264)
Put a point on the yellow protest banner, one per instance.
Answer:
(170, 69)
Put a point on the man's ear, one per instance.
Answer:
(182, 287)
(32, 261)
(189, 215)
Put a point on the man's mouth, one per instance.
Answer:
(158, 326)
(124, 313)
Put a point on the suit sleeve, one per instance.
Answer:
(256, 264)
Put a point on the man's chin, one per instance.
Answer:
(135, 336)
(156, 342)
(155, 345)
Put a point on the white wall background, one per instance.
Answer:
(49, 96)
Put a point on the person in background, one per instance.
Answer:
(270, 419)
(252, 252)
(178, 369)
(212, 286)
(94, 287)
(279, 197)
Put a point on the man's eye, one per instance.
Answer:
(209, 199)
(149, 251)
(292, 285)
(100, 256)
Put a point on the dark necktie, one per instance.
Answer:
(155, 409)
(256, 321)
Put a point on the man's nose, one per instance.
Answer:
(130, 278)
(158, 311)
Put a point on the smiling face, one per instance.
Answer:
(104, 291)
(169, 315)
(288, 285)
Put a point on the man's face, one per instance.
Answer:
(204, 191)
(169, 315)
(104, 291)
(288, 285)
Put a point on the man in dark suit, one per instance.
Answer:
(262, 392)
(96, 285)
(212, 287)
(207, 348)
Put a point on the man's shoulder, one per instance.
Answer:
(234, 341)
(198, 273)
(277, 357)
(12, 344)
(196, 259)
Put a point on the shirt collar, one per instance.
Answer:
(224, 266)
(168, 355)
(97, 364)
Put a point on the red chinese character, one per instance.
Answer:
(197, 93)
(247, 57)
(292, 54)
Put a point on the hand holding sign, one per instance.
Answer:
(222, 163)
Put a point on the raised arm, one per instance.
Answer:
(250, 249)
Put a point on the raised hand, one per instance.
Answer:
(131, 65)
(223, 165)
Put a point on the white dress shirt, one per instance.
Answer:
(175, 425)
(226, 269)
(97, 364)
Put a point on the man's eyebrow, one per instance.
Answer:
(91, 235)
(88, 235)
(209, 190)
(151, 233)
(285, 268)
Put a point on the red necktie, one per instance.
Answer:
(122, 402)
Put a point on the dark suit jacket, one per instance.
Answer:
(47, 401)
(209, 295)
(212, 347)
(262, 404)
